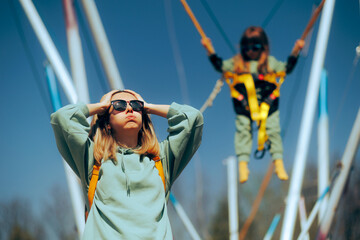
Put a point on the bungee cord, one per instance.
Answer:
(43, 96)
(272, 13)
(209, 101)
(217, 24)
(296, 86)
(312, 20)
(195, 22)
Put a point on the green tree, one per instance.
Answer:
(17, 222)
(58, 214)
(346, 223)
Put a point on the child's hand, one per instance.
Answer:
(299, 44)
(206, 42)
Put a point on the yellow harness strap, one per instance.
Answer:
(93, 183)
(251, 93)
(159, 167)
(92, 186)
(273, 78)
(258, 114)
(248, 81)
(262, 136)
(95, 178)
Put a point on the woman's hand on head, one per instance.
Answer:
(105, 102)
(102, 106)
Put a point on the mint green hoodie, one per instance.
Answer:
(130, 201)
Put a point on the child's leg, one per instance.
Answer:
(273, 131)
(243, 144)
(276, 148)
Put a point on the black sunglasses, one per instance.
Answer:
(253, 47)
(121, 105)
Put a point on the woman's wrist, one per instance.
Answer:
(156, 109)
(96, 108)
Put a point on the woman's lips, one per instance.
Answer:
(131, 117)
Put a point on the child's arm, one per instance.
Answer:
(299, 44)
(215, 60)
(292, 59)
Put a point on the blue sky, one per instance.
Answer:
(139, 37)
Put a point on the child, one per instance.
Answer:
(254, 58)
(130, 196)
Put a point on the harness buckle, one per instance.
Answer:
(259, 154)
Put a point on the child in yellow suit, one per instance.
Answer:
(254, 58)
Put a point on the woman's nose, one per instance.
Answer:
(128, 107)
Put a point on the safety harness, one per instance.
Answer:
(95, 178)
(259, 114)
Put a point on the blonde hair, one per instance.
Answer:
(241, 63)
(105, 144)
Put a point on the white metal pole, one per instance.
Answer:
(50, 49)
(66, 82)
(102, 44)
(304, 229)
(231, 163)
(76, 196)
(188, 225)
(75, 52)
(73, 182)
(306, 122)
(79, 77)
(323, 144)
(346, 161)
(303, 217)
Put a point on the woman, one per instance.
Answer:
(254, 58)
(130, 198)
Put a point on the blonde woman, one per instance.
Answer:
(130, 196)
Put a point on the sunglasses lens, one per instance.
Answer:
(253, 47)
(136, 105)
(257, 47)
(119, 105)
